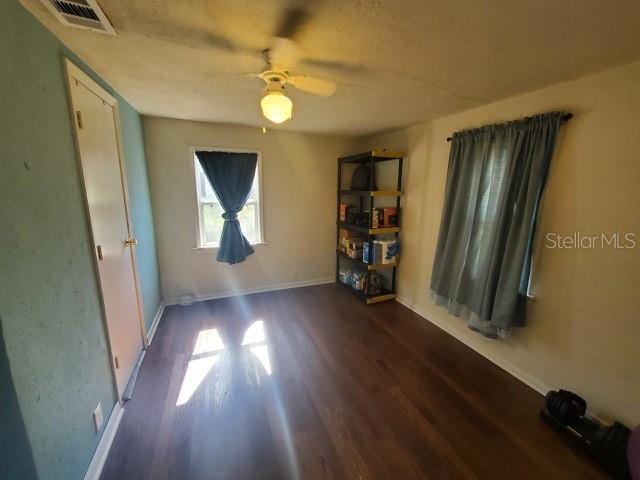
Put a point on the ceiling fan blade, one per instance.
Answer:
(294, 18)
(335, 65)
(317, 86)
(283, 53)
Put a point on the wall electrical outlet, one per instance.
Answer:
(97, 417)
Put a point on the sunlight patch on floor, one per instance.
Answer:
(209, 348)
(197, 370)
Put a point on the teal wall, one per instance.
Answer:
(141, 214)
(49, 302)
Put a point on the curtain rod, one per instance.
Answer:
(566, 117)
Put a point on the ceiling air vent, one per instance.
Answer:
(85, 14)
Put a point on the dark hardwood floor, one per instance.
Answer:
(309, 383)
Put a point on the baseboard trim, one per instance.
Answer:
(261, 289)
(536, 384)
(154, 324)
(131, 384)
(508, 367)
(104, 445)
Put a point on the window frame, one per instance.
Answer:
(200, 243)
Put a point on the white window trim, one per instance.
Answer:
(200, 247)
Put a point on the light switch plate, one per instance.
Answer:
(97, 417)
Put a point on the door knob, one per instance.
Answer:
(130, 241)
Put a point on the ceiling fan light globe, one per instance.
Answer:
(276, 106)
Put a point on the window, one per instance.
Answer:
(210, 221)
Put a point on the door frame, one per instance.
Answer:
(75, 75)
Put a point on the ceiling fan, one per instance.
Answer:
(281, 56)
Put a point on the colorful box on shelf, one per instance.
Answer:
(382, 252)
(385, 217)
(344, 211)
(349, 244)
(389, 217)
(356, 280)
(346, 233)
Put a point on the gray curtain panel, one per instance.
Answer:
(494, 183)
(231, 176)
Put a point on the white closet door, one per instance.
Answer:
(96, 125)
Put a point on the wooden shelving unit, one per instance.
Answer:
(369, 231)
(366, 199)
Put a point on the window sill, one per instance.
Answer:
(214, 250)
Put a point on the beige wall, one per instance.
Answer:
(299, 183)
(584, 327)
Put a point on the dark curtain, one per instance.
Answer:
(483, 257)
(231, 176)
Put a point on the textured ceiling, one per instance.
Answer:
(396, 62)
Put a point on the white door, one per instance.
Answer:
(97, 132)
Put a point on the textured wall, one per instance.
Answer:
(49, 303)
(583, 327)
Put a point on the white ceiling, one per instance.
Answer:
(397, 62)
